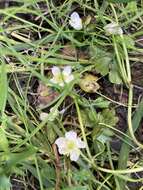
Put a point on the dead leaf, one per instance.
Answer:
(88, 83)
(69, 51)
(46, 94)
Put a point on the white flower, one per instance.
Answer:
(75, 21)
(43, 116)
(53, 114)
(62, 77)
(70, 145)
(113, 28)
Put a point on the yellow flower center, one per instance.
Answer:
(71, 145)
(59, 78)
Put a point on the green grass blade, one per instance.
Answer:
(3, 86)
(125, 149)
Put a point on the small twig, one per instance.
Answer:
(115, 102)
(138, 87)
(57, 166)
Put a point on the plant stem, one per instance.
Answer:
(82, 129)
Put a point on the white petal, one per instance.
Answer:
(61, 84)
(43, 116)
(62, 145)
(77, 25)
(71, 135)
(56, 71)
(74, 155)
(63, 150)
(61, 141)
(80, 143)
(74, 16)
(113, 28)
(69, 78)
(75, 21)
(53, 80)
(67, 70)
(62, 111)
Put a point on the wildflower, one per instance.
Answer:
(62, 77)
(113, 28)
(70, 145)
(75, 21)
(53, 114)
(43, 116)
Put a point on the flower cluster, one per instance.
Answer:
(111, 28)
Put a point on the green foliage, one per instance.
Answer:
(132, 7)
(120, 1)
(51, 135)
(129, 42)
(125, 148)
(4, 183)
(77, 188)
(101, 59)
(82, 175)
(3, 86)
(34, 35)
(108, 117)
(99, 121)
(47, 172)
(3, 141)
(114, 75)
(15, 158)
(105, 63)
(98, 102)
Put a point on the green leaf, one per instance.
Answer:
(4, 145)
(109, 117)
(77, 188)
(126, 147)
(51, 134)
(47, 173)
(103, 138)
(132, 7)
(98, 103)
(120, 1)
(3, 86)
(3, 141)
(85, 118)
(15, 158)
(82, 175)
(4, 183)
(102, 65)
(101, 60)
(130, 43)
(114, 75)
